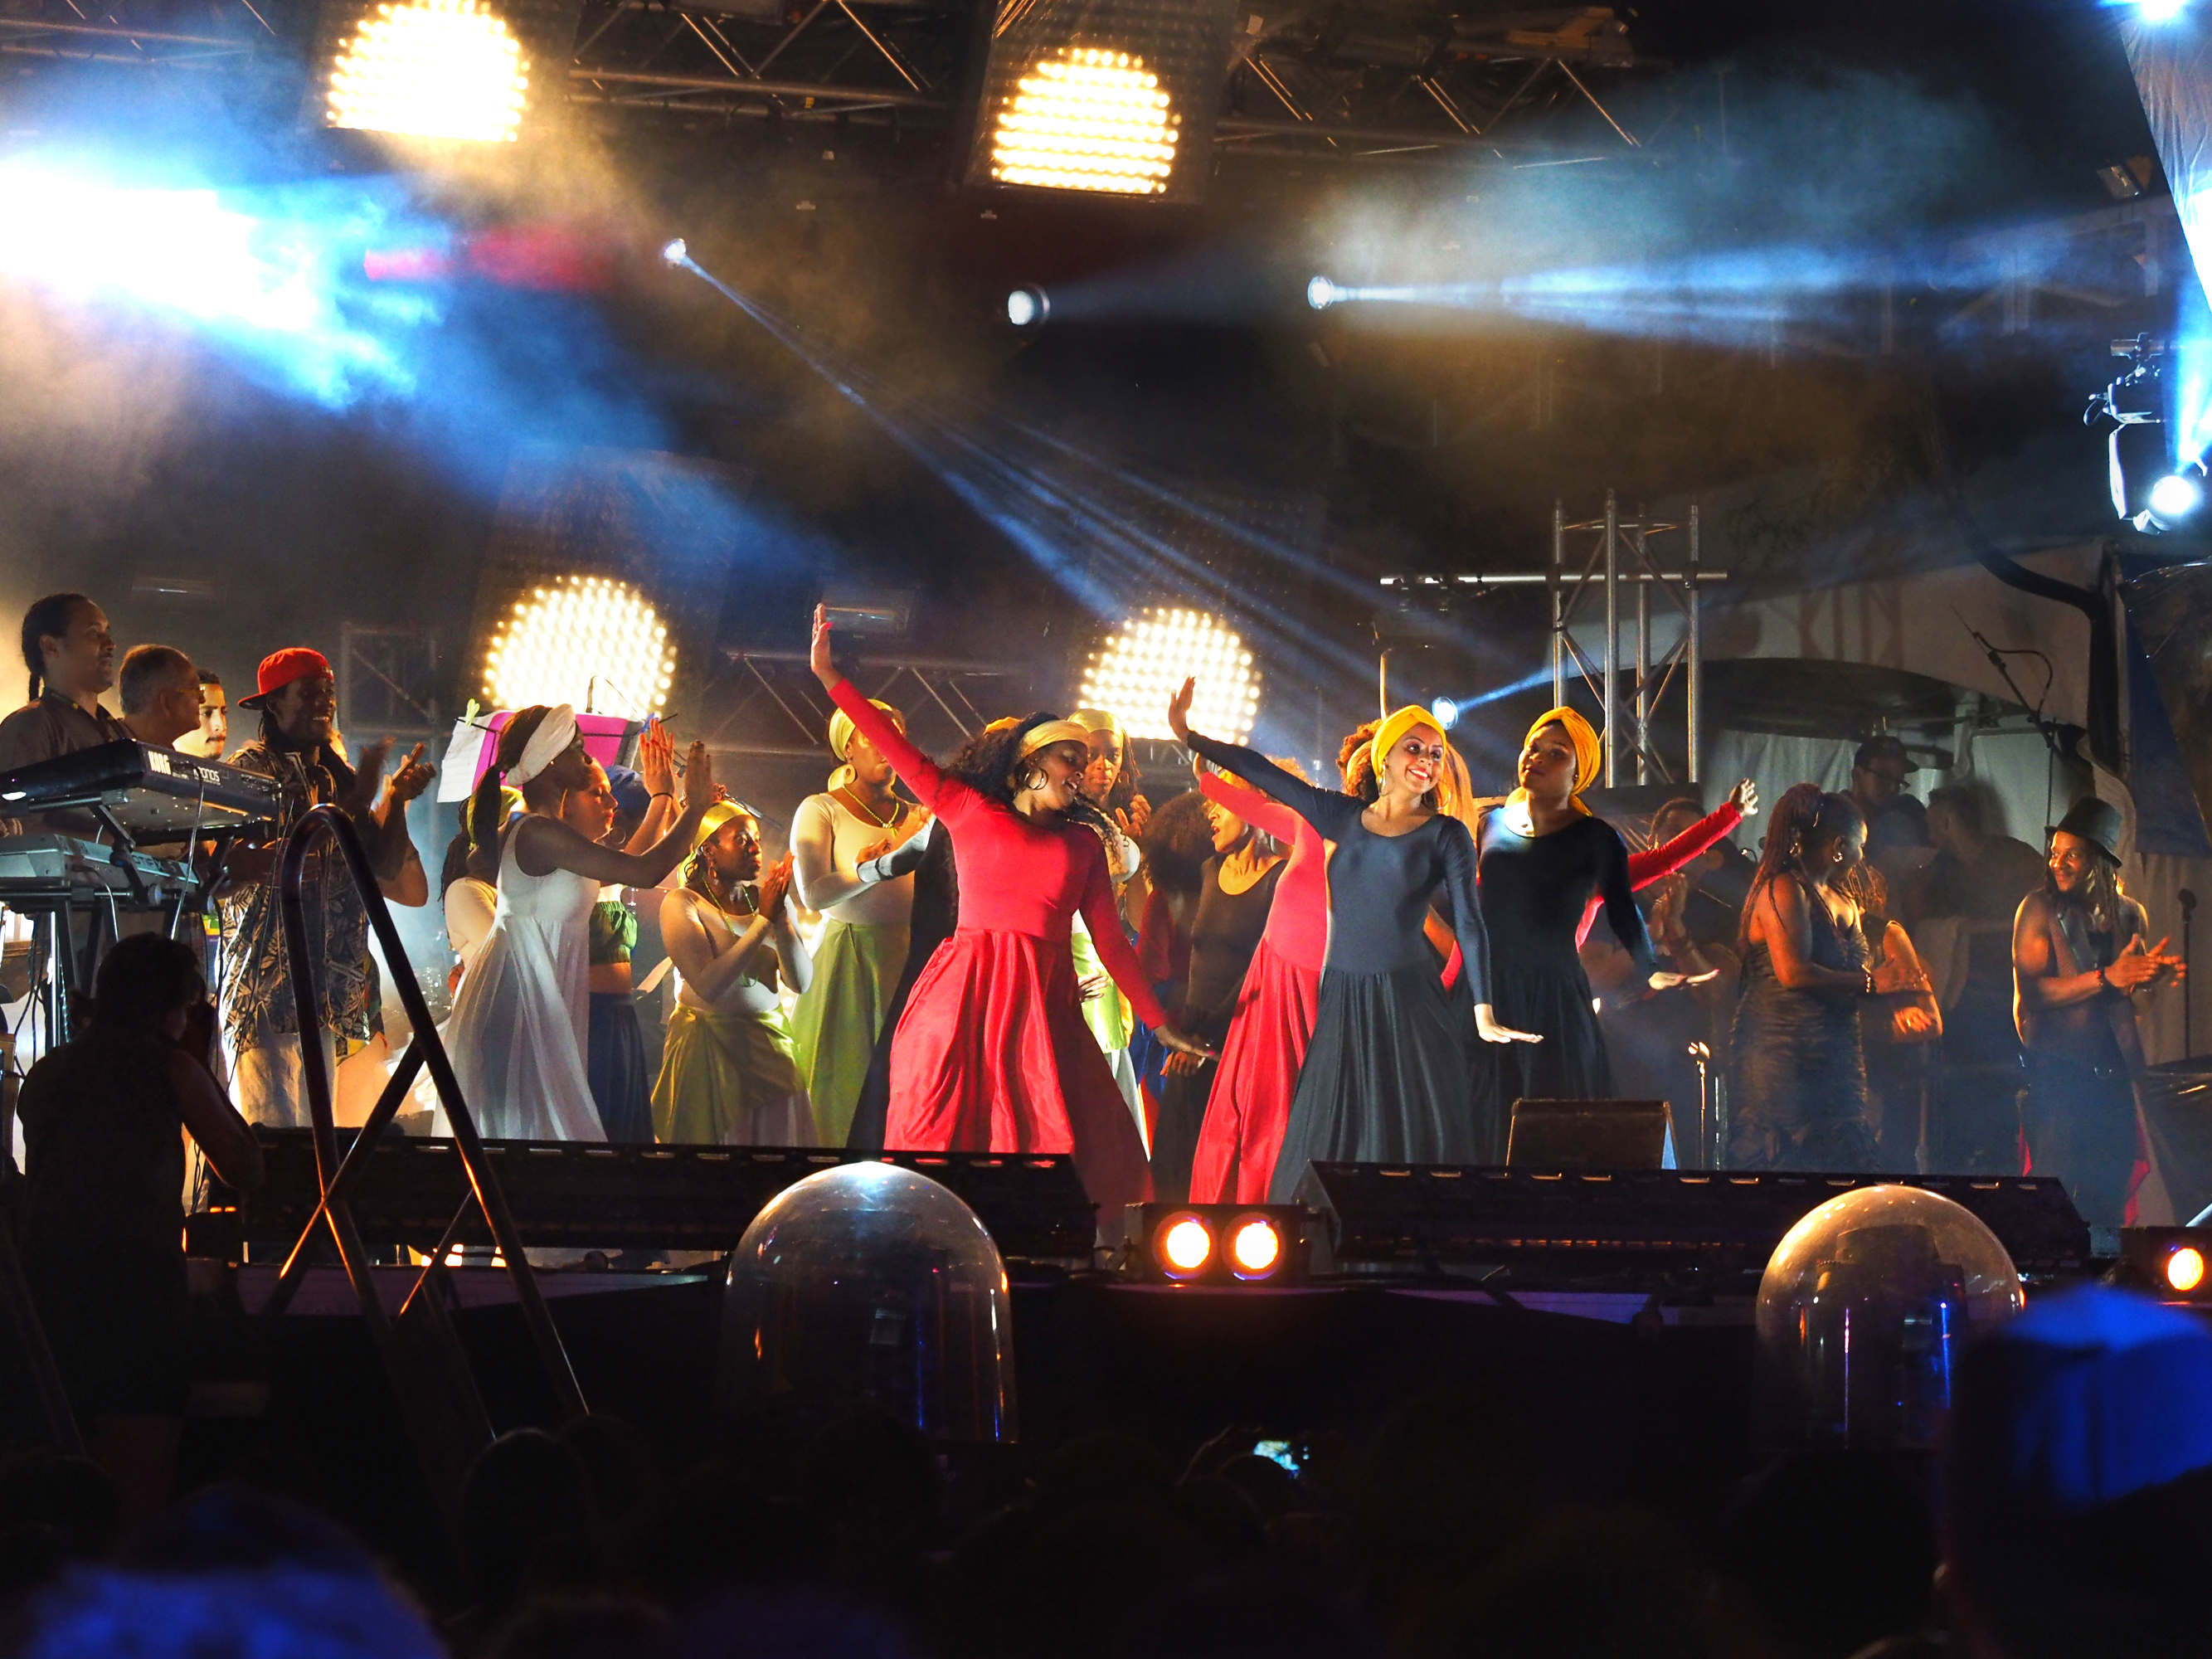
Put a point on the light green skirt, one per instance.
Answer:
(833, 1028)
(1108, 1014)
(728, 1080)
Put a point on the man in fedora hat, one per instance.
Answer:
(297, 697)
(2079, 959)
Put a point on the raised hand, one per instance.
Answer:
(1745, 798)
(1135, 817)
(1179, 710)
(1487, 1028)
(412, 778)
(656, 758)
(775, 886)
(1663, 982)
(818, 657)
(698, 778)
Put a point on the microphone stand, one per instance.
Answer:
(2188, 913)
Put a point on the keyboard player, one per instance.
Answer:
(71, 657)
(161, 694)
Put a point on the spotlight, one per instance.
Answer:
(1321, 293)
(2166, 1262)
(582, 640)
(1218, 1245)
(1028, 308)
(2185, 1269)
(1135, 672)
(1255, 1247)
(2174, 498)
(1445, 713)
(1183, 1246)
(676, 252)
(2160, 11)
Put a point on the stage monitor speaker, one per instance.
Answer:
(1587, 1134)
(591, 1195)
(1580, 1224)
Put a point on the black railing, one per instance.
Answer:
(424, 1049)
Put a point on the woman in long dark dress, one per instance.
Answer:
(1799, 1098)
(1542, 855)
(1236, 891)
(1389, 1075)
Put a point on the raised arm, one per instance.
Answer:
(1655, 863)
(915, 770)
(544, 844)
(1263, 813)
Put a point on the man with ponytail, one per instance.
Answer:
(296, 697)
(71, 659)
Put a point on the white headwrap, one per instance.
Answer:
(547, 744)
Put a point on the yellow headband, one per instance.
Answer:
(1395, 726)
(841, 727)
(1046, 733)
(1590, 753)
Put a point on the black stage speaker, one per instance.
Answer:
(583, 1194)
(1587, 1134)
(1576, 1224)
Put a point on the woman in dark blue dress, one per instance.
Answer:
(1390, 1073)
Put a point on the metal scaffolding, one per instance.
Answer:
(758, 680)
(1618, 554)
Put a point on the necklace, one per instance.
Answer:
(858, 808)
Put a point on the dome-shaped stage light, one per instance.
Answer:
(1322, 293)
(1028, 308)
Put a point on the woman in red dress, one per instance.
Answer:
(1275, 1017)
(992, 1053)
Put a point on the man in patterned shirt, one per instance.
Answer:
(297, 697)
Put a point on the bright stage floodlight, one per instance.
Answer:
(1028, 308)
(584, 640)
(1445, 713)
(2160, 11)
(1134, 673)
(677, 252)
(1218, 1246)
(2174, 498)
(1321, 293)
(437, 69)
(1108, 97)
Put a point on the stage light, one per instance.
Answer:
(1255, 1248)
(1103, 97)
(583, 639)
(1087, 119)
(1218, 1246)
(1184, 1246)
(1445, 713)
(1136, 671)
(2160, 11)
(2185, 1269)
(2167, 1262)
(431, 69)
(1321, 293)
(2174, 498)
(676, 252)
(1028, 308)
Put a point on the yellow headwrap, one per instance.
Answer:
(1395, 726)
(841, 727)
(1590, 753)
(715, 818)
(1101, 719)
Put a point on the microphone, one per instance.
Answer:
(2188, 901)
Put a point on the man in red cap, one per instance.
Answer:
(296, 696)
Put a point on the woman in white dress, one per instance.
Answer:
(522, 1016)
(728, 1076)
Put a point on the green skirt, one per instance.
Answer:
(833, 1028)
(1108, 1014)
(728, 1080)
